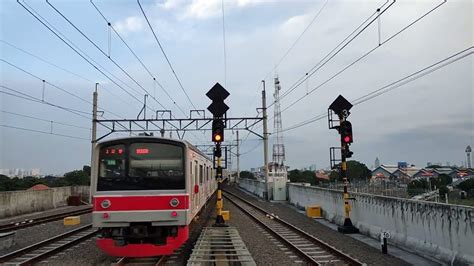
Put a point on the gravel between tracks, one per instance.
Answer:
(265, 249)
(356, 249)
(34, 234)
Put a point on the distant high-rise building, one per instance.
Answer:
(377, 163)
(468, 154)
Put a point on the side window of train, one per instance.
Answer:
(200, 174)
(191, 170)
(196, 172)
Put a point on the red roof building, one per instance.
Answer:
(39, 187)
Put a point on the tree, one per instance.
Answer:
(303, 176)
(77, 177)
(87, 169)
(416, 187)
(466, 185)
(247, 174)
(355, 170)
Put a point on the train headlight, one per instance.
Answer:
(105, 204)
(174, 202)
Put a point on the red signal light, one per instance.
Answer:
(347, 139)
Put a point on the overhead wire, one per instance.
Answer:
(360, 58)
(320, 10)
(45, 120)
(138, 58)
(43, 132)
(397, 83)
(28, 97)
(115, 96)
(166, 57)
(302, 79)
(340, 47)
(55, 86)
(50, 28)
(104, 53)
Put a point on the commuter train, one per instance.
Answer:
(145, 193)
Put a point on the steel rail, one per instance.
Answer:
(330, 249)
(157, 261)
(35, 221)
(34, 247)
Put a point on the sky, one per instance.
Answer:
(430, 119)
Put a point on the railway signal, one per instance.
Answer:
(341, 108)
(218, 109)
(218, 131)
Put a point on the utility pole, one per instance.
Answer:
(94, 129)
(265, 140)
(238, 158)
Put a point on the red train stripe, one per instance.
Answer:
(140, 203)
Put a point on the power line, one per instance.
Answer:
(138, 58)
(35, 15)
(43, 132)
(115, 96)
(55, 86)
(252, 149)
(45, 120)
(45, 81)
(396, 84)
(343, 44)
(360, 58)
(102, 51)
(166, 57)
(302, 79)
(45, 61)
(34, 99)
(299, 37)
(224, 44)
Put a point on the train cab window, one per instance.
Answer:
(112, 161)
(156, 166)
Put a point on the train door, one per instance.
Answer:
(196, 182)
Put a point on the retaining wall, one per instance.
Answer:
(253, 186)
(443, 231)
(14, 203)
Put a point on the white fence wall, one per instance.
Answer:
(253, 186)
(27, 201)
(443, 231)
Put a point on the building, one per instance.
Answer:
(405, 174)
(384, 172)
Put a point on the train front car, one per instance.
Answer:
(139, 196)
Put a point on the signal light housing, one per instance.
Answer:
(345, 129)
(218, 130)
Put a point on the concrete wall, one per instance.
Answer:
(443, 231)
(14, 203)
(255, 187)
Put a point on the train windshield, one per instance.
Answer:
(150, 166)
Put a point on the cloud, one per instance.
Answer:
(129, 24)
(170, 4)
(205, 9)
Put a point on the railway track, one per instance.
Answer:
(308, 247)
(46, 248)
(142, 261)
(31, 222)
